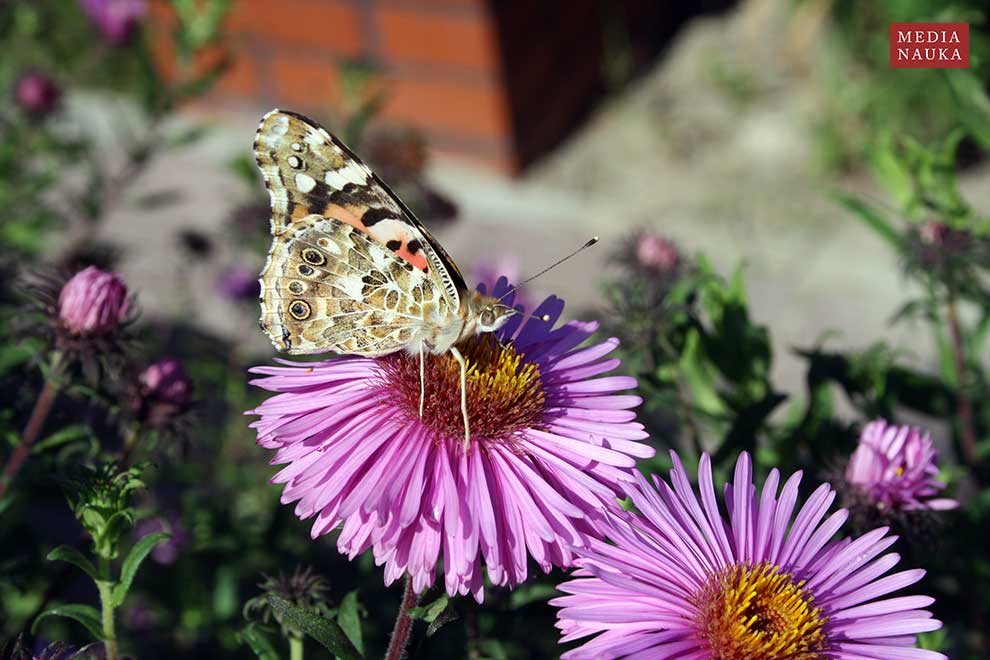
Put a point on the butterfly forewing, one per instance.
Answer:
(350, 268)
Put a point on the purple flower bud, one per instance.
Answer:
(895, 467)
(116, 19)
(165, 381)
(168, 551)
(93, 302)
(238, 284)
(656, 253)
(37, 94)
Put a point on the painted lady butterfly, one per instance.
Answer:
(351, 269)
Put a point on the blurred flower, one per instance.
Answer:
(239, 284)
(168, 551)
(550, 447)
(895, 468)
(656, 253)
(305, 589)
(138, 616)
(683, 579)
(92, 302)
(37, 94)
(488, 272)
(116, 19)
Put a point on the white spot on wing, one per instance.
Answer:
(353, 172)
(305, 183)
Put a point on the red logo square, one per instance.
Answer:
(929, 45)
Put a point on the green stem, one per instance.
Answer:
(106, 601)
(295, 648)
(964, 405)
(36, 422)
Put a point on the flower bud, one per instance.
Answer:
(37, 94)
(116, 19)
(165, 383)
(656, 253)
(895, 468)
(93, 302)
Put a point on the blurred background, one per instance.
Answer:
(768, 136)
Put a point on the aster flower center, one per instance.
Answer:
(504, 391)
(750, 612)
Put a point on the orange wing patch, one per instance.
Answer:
(393, 233)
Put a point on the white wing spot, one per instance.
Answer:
(281, 125)
(305, 183)
(351, 173)
(295, 162)
(297, 147)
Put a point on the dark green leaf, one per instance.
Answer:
(325, 631)
(84, 614)
(61, 437)
(133, 562)
(972, 104)
(430, 611)
(258, 642)
(71, 555)
(349, 619)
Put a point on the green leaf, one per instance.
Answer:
(71, 555)
(61, 437)
(349, 619)
(972, 105)
(133, 562)
(258, 642)
(430, 611)
(84, 614)
(325, 631)
(870, 217)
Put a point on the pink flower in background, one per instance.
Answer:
(895, 467)
(116, 19)
(93, 302)
(37, 94)
(685, 578)
(550, 447)
(238, 284)
(168, 551)
(164, 391)
(656, 253)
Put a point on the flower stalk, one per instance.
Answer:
(42, 406)
(105, 588)
(403, 623)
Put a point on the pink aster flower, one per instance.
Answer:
(656, 253)
(550, 447)
(895, 468)
(686, 578)
(163, 392)
(92, 302)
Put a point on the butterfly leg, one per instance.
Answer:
(464, 411)
(422, 380)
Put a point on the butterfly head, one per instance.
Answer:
(489, 313)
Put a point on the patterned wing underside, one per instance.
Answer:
(330, 287)
(308, 171)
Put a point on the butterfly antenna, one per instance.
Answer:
(591, 241)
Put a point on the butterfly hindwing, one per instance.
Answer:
(309, 172)
(329, 287)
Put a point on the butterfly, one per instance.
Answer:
(351, 269)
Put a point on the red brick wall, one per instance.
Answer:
(499, 81)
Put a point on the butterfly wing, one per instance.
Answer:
(310, 172)
(328, 286)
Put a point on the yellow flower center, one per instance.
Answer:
(504, 392)
(758, 613)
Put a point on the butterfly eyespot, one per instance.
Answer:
(299, 310)
(323, 243)
(296, 162)
(487, 317)
(305, 270)
(295, 286)
(314, 257)
(298, 147)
